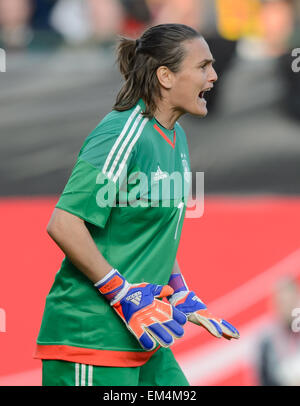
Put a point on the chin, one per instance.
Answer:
(201, 110)
(196, 110)
(202, 113)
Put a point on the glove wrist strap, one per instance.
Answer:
(178, 283)
(113, 286)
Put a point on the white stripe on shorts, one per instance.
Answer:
(90, 375)
(83, 374)
(76, 374)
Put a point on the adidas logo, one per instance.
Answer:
(135, 298)
(159, 174)
(196, 299)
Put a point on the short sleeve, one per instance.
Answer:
(104, 163)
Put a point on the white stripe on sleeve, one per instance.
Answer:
(144, 122)
(119, 139)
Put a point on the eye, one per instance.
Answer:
(203, 67)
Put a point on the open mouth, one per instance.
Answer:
(202, 94)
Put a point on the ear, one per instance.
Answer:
(165, 77)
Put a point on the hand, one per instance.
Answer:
(196, 311)
(150, 320)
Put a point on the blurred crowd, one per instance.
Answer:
(22, 22)
(255, 28)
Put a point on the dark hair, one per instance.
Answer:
(139, 60)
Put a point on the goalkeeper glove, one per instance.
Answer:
(150, 320)
(196, 311)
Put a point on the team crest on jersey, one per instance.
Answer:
(135, 298)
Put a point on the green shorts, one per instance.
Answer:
(161, 370)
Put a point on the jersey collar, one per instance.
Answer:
(168, 135)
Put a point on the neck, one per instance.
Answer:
(166, 115)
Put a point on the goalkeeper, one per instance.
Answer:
(104, 322)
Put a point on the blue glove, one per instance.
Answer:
(150, 320)
(196, 311)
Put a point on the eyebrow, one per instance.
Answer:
(207, 61)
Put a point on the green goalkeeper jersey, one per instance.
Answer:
(130, 185)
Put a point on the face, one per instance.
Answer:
(196, 76)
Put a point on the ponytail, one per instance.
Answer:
(126, 56)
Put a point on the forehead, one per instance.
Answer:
(197, 50)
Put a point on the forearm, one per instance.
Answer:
(72, 236)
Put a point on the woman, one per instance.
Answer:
(119, 226)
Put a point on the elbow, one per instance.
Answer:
(51, 229)
(55, 224)
(61, 223)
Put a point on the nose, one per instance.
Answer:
(213, 77)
